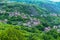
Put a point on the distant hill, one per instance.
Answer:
(49, 5)
(25, 13)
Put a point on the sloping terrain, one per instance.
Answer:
(29, 21)
(27, 15)
(11, 32)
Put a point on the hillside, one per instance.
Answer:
(11, 32)
(23, 14)
(29, 21)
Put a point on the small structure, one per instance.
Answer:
(55, 27)
(5, 20)
(2, 11)
(14, 14)
(47, 29)
(53, 14)
(24, 16)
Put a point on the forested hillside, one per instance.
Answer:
(11, 32)
(25, 20)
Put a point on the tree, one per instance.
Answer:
(12, 34)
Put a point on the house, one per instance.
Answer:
(24, 16)
(47, 29)
(27, 24)
(53, 14)
(55, 27)
(2, 11)
(14, 14)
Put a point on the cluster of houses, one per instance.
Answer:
(4, 21)
(2, 11)
(57, 27)
(46, 29)
(23, 15)
(11, 14)
(50, 14)
(14, 14)
(32, 22)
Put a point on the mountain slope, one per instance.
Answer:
(24, 13)
(11, 32)
(29, 21)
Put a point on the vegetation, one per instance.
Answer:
(11, 32)
(19, 21)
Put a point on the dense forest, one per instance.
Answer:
(29, 20)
